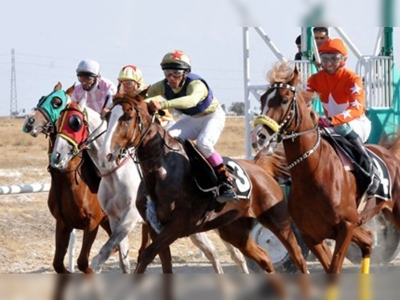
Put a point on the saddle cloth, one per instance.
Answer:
(353, 161)
(206, 178)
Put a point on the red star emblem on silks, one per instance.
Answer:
(176, 55)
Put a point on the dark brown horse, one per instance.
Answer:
(325, 201)
(72, 198)
(175, 207)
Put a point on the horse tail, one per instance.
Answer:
(274, 164)
(392, 143)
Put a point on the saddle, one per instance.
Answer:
(206, 179)
(360, 167)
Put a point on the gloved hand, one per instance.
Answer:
(324, 122)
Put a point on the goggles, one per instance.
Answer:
(331, 58)
(128, 83)
(86, 78)
(173, 73)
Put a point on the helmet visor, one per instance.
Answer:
(174, 73)
(86, 77)
(128, 83)
(333, 58)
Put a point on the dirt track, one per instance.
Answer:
(27, 238)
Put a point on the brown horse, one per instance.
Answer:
(72, 198)
(325, 201)
(175, 207)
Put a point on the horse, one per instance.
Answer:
(173, 205)
(325, 201)
(72, 198)
(82, 128)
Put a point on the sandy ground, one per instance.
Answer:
(27, 238)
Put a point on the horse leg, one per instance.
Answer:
(201, 241)
(363, 238)
(320, 250)
(63, 233)
(277, 219)
(145, 240)
(89, 235)
(237, 233)
(237, 257)
(120, 230)
(343, 238)
(159, 244)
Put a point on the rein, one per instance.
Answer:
(309, 152)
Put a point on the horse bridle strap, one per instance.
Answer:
(280, 85)
(309, 152)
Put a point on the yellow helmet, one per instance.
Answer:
(131, 72)
(177, 60)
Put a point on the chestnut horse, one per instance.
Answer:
(82, 128)
(324, 200)
(173, 205)
(72, 198)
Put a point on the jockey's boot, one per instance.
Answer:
(226, 193)
(374, 177)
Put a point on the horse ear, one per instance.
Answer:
(70, 90)
(58, 86)
(295, 78)
(142, 95)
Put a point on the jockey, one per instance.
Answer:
(93, 91)
(130, 82)
(342, 96)
(203, 117)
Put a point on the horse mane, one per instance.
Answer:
(274, 164)
(286, 72)
(281, 72)
(122, 97)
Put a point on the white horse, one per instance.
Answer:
(119, 184)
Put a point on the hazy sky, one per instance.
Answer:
(51, 37)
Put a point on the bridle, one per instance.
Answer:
(78, 147)
(282, 131)
(130, 148)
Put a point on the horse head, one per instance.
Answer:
(47, 111)
(75, 130)
(280, 116)
(128, 122)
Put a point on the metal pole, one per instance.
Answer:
(25, 188)
(349, 43)
(246, 68)
(71, 251)
(270, 44)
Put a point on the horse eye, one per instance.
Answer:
(56, 102)
(285, 100)
(75, 123)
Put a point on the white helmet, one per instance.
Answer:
(88, 66)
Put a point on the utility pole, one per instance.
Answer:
(13, 98)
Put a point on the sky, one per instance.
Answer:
(51, 37)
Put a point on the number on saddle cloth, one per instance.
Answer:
(206, 178)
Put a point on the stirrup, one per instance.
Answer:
(226, 193)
